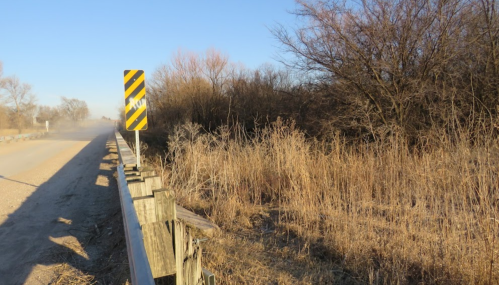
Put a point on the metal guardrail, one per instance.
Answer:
(140, 270)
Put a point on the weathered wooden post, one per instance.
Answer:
(156, 218)
(187, 256)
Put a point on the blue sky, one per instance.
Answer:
(79, 49)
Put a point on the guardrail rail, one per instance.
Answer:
(140, 270)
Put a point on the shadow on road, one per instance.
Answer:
(17, 181)
(71, 222)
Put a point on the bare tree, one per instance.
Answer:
(189, 87)
(187, 66)
(483, 59)
(21, 100)
(74, 109)
(4, 117)
(215, 69)
(47, 113)
(387, 57)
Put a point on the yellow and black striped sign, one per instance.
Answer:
(135, 100)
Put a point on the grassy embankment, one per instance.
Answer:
(297, 211)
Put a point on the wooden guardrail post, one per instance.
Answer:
(156, 223)
(187, 256)
(152, 183)
(165, 205)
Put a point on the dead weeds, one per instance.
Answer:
(294, 211)
(255, 250)
(67, 274)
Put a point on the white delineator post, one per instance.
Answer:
(137, 148)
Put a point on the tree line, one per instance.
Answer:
(19, 109)
(365, 69)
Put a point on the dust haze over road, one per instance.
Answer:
(53, 192)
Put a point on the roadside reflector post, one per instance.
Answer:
(135, 105)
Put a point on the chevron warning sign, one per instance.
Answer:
(135, 100)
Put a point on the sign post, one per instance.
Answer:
(137, 148)
(135, 105)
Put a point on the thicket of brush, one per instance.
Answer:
(387, 163)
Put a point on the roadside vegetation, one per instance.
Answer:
(372, 158)
(305, 211)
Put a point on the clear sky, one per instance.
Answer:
(80, 48)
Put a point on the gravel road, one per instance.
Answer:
(59, 207)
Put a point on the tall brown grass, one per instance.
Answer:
(387, 213)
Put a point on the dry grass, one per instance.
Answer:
(69, 275)
(378, 213)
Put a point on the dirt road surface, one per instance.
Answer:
(59, 210)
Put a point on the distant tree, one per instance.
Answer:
(74, 109)
(121, 115)
(30, 111)
(4, 117)
(20, 99)
(47, 113)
